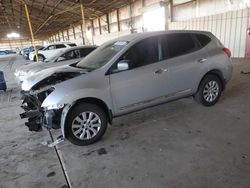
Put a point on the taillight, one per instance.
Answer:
(227, 51)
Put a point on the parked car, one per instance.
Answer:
(65, 56)
(126, 75)
(50, 51)
(10, 51)
(27, 51)
(3, 52)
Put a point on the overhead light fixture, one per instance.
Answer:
(13, 35)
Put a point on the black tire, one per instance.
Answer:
(74, 113)
(40, 57)
(200, 96)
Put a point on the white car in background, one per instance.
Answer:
(65, 56)
(50, 51)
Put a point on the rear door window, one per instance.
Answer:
(178, 44)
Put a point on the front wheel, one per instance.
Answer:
(209, 91)
(86, 123)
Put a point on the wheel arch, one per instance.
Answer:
(217, 73)
(90, 100)
(98, 102)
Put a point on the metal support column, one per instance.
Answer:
(93, 32)
(171, 11)
(63, 36)
(84, 36)
(118, 20)
(93, 27)
(67, 34)
(31, 31)
(108, 22)
(74, 33)
(100, 26)
(59, 38)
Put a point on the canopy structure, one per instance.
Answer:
(50, 16)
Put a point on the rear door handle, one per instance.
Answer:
(161, 71)
(202, 60)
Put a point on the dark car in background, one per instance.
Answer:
(27, 51)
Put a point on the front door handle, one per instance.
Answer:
(161, 71)
(202, 60)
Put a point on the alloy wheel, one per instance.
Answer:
(211, 91)
(86, 125)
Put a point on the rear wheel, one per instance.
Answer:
(86, 123)
(209, 91)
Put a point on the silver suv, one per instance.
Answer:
(126, 75)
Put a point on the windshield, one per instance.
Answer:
(102, 55)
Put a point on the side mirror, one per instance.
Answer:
(61, 59)
(123, 65)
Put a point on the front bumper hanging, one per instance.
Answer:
(39, 117)
(33, 111)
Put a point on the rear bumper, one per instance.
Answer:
(229, 72)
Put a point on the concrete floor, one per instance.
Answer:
(176, 145)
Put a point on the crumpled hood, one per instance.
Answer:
(41, 75)
(43, 66)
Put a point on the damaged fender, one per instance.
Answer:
(63, 118)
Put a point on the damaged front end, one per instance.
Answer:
(39, 117)
(33, 98)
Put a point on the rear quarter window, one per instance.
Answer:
(203, 39)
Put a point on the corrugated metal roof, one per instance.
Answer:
(59, 14)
